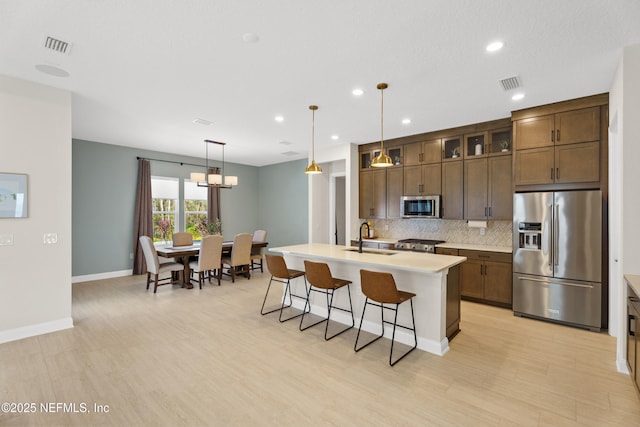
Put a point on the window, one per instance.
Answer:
(195, 208)
(165, 195)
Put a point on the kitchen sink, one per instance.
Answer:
(365, 251)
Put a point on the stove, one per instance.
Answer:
(417, 245)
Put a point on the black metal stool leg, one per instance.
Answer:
(415, 338)
(288, 290)
(366, 302)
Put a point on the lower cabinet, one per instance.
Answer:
(486, 277)
(633, 322)
(453, 295)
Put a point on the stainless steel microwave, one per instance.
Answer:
(420, 206)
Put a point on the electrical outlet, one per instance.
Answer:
(6, 239)
(130, 255)
(50, 238)
(483, 231)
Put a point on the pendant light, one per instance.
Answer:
(382, 160)
(313, 168)
(216, 180)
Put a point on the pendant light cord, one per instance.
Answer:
(382, 121)
(313, 133)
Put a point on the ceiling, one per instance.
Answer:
(141, 71)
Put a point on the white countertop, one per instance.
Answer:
(404, 260)
(475, 247)
(634, 281)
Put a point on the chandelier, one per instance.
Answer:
(215, 180)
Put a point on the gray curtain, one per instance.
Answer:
(213, 200)
(143, 217)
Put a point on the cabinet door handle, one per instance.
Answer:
(485, 211)
(552, 134)
(489, 211)
(481, 269)
(558, 135)
(557, 173)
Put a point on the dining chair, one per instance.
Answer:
(154, 267)
(182, 238)
(380, 287)
(209, 259)
(257, 254)
(320, 280)
(239, 260)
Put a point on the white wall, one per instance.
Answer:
(625, 110)
(35, 139)
(339, 159)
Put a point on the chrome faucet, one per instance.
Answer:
(368, 231)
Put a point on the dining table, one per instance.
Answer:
(183, 254)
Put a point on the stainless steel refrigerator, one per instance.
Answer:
(557, 256)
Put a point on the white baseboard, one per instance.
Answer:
(37, 329)
(622, 366)
(100, 276)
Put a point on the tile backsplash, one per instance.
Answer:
(497, 233)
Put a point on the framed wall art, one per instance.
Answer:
(13, 195)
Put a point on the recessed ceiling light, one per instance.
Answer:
(406, 121)
(52, 71)
(279, 119)
(250, 38)
(334, 137)
(517, 96)
(357, 92)
(494, 46)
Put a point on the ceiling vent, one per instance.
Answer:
(510, 83)
(57, 45)
(290, 153)
(204, 122)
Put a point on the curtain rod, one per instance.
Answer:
(171, 161)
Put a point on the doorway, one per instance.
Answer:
(337, 209)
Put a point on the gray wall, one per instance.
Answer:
(284, 203)
(103, 198)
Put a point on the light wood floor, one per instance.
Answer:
(207, 357)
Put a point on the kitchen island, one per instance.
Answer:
(421, 273)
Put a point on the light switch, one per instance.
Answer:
(50, 238)
(6, 239)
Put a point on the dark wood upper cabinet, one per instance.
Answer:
(452, 190)
(487, 188)
(558, 149)
(424, 152)
(373, 193)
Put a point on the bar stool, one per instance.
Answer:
(321, 280)
(280, 273)
(381, 288)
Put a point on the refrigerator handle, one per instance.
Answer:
(556, 232)
(547, 240)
